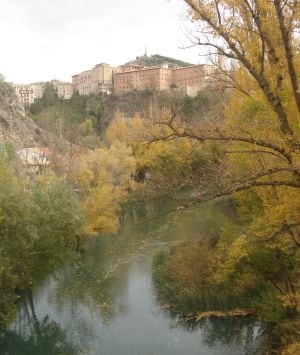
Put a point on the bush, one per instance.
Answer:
(38, 231)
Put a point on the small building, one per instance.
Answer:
(36, 159)
(28, 93)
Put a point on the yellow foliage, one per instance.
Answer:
(101, 210)
(104, 176)
(292, 349)
(234, 254)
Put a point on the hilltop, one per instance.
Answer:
(158, 60)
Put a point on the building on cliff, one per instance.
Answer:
(104, 78)
(28, 93)
(186, 80)
(98, 79)
(140, 78)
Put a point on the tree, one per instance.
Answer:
(38, 226)
(104, 177)
(262, 117)
(259, 134)
(260, 37)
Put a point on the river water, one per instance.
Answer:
(104, 303)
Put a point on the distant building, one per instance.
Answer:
(187, 80)
(141, 78)
(98, 79)
(64, 90)
(104, 78)
(28, 93)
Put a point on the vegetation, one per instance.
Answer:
(192, 288)
(78, 119)
(38, 228)
(259, 141)
(83, 120)
(104, 178)
(147, 144)
(158, 60)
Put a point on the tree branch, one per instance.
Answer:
(288, 52)
(221, 137)
(261, 80)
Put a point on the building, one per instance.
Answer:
(64, 90)
(141, 78)
(187, 80)
(82, 83)
(98, 79)
(28, 93)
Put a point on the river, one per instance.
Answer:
(104, 302)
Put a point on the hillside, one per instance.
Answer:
(158, 60)
(17, 129)
(83, 120)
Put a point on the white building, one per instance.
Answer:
(28, 93)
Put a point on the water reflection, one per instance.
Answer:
(97, 285)
(104, 303)
(229, 331)
(34, 336)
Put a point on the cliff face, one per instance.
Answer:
(17, 129)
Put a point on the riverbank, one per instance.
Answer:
(105, 302)
(188, 279)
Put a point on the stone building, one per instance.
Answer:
(133, 78)
(64, 90)
(28, 93)
(189, 80)
(186, 80)
(98, 79)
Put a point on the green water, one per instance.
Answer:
(104, 303)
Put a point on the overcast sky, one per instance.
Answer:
(46, 39)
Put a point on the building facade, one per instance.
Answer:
(132, 78)
(28, 93)
(98, 79)
(186, 80)
(192, 76)
(64, 90)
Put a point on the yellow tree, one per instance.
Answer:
(104, 177)
(260, 133)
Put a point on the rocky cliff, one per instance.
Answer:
(17, 129)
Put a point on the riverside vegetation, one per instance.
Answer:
(248, 151)
(253, 262)
(38, 228)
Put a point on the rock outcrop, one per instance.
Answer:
(19, 130)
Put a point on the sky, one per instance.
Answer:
(54, 39)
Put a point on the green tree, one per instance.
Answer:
(38, 230)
